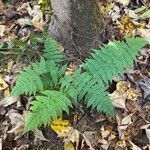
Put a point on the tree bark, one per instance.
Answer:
(77, 24)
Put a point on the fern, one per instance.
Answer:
(107, 62)
(111, 59)
(83, 86)
(89, 83)
(29, 81)
(40, 76)
(52, 51)
(46, 107)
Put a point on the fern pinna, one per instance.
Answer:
(57, 91)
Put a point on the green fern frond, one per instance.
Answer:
(52, 51)
(29, 80)
(46, 108)
(83, 86)
(88, 83)
(40, 76)
(110, 60)
(107, 62)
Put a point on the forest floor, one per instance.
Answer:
(22, 26)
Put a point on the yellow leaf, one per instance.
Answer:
(45, 4)
(127, 26)
(10, 66)
(68, 146)
(7, 92)
(40, 1)
(132, 94)
(3, 84)
(60, 125)
(122, 86)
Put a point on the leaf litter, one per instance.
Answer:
(130, 129)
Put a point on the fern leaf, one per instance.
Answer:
(111, 59)
(40, 76)
(29, 80)
(52, 51)
(45, 108)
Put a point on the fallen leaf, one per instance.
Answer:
(122, 93)
(10, 66)
(123, 2)
(127, 25)
(39, 135)
(9, 100)
(2, 30)
(147, 130)
(10, 14)
(59, 125)
(69, 135)
(24, 21)
(118, 100)
(144, 33)
(127, 120)
(120, 144)
(131, 14)
(38, 25)
(139, 9)
(145, 15)
(17, 122)
(68, 146)
(134, 147)
(3, 84)
(107, 134)
(45, 4)
(132, 94)
(23, 147)
(145, 86)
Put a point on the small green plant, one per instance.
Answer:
(29, 48)
(55, 92)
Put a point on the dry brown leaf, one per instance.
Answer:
(39, 135)
(70, 135)
(127, 120)
(9, 100)
(123, 125)
(121, 144)
(118, 100)
(71, 69)
(36, 14)
(38, 25)
(147, 130)
(107, 134)
(134, 147)
(122, 93)
(17, 122)
(1, 6)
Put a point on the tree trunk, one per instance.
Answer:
(77, 24)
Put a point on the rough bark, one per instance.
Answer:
(77, 24)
